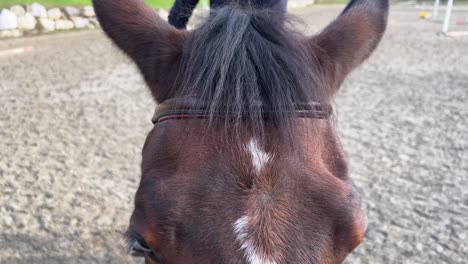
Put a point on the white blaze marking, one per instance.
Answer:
(247, 245)
(259, 157)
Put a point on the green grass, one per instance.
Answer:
(166, 4)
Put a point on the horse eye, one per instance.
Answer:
(138, 249)
(141, 249)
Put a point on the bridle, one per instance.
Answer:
(189, 108)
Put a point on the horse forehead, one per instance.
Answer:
(250, 207)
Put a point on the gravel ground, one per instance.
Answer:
(75, 114)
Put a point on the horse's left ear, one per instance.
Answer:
(153, 44)
(350, 39)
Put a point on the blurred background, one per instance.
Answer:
(77, 3)
(75, 112)
(167, 4)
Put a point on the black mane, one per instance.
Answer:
(242, 60)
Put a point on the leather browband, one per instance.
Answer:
(185, 108)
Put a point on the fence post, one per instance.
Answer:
(448, 13)
(435, 13)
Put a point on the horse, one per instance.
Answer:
(243, 163)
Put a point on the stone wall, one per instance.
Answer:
(32, 19)
(300, 3)
(20, 20)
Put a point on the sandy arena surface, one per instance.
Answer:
(75, 113)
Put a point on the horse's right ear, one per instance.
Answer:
(153, 44)
(350, 39)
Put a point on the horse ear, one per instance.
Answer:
(153, 44)
(350, 39)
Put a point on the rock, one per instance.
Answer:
(8, 20)
(80, 22)
(163, 14)
(88, 11)
(46, 24)
(27, 22)
(93, 21)
(37, 10)
(64, 24)
(18, 10)
(14, 33)
(4, 34)
(54, 13)
(71, 11)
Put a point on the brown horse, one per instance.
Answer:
(243, 164)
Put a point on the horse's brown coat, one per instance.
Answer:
(198, 181)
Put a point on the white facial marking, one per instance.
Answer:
(259, 157)
(247, 245)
